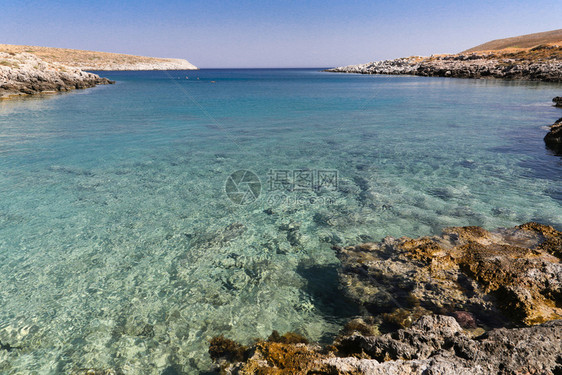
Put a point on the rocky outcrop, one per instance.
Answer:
(434, 344)
(557, 101)
(469, 301)
(438, 345)
(553, 138)
(26, 74)
(499, 277)
(528, 66)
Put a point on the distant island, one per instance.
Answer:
(536, 57)
(28, 70)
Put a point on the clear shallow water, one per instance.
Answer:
(120, 249)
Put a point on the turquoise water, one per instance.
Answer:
(119, 247)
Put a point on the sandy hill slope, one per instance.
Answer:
(91, 60)
(522, 41)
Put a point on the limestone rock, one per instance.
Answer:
(522, 65)
(437, 345)
(470, 301)
(498, 277)
(26, 74)
(434, 344)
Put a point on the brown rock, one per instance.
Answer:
(508, 275)
(553, 139)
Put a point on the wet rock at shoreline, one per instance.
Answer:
(470, 301)
(437, 344)
(434, 344)
(499, 277)
(553, 139)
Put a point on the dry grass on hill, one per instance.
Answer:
(81, 58)
(520, 42)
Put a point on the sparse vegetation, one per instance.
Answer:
(81, 58)
(9, 63)
(521, 42)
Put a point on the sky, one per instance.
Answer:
(283, 33)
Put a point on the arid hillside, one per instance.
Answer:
(520, 42)
(92, 60)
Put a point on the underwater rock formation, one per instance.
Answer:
(470, 301)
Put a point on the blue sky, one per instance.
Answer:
(249, 33)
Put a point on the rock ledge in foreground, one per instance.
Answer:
(470, 301)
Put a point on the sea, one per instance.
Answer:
(141, 219)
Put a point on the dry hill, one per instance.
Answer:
(91, 60)
(522, 41)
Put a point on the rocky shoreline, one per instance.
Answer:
(26, 74)
(542, 63)
(469, 301)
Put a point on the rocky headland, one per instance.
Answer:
(469, 301)
(26, 74)
(541, 63)
(93, 60)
